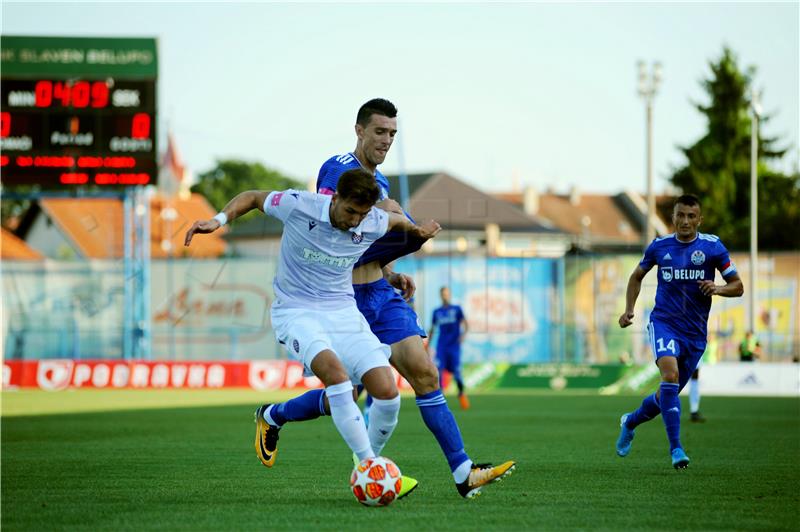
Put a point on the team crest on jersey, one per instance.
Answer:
(296, 345)
(666, 273)
(698, 258)
(357, 238)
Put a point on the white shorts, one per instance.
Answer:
(306, 333)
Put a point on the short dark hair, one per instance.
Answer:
(359, 186)
(690, 200)
(376, 106)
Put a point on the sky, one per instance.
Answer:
(500, 95)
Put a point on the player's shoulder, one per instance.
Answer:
(344, 161)
(662, 241)
(708, 237)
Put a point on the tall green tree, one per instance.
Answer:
(232, 176)
(718, 165)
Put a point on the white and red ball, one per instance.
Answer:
(376, 481)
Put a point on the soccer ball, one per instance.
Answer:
(376, 481)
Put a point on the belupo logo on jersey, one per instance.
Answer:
(698, 258)
(666, 273)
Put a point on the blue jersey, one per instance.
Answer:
(394, 244)
(448, 319)
(681, 265)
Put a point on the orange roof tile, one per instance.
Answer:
(14, 248)
(95, 226)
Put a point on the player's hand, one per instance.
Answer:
(626, 319)
(201, 226)
(404, 283)
(708, 288)
(429, 229)
(390, 205)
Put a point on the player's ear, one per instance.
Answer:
(359, 131)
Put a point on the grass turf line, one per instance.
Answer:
(194, 468)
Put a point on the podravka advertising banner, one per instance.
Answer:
(62, 374)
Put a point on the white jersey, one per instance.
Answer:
(316, 259)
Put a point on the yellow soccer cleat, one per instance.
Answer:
(482, 474)
(266, 438)
(407, 486)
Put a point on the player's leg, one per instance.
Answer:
(648, 409)
(671, 407)
(694, 397)
(455, 368)
(344, 411)
(411, 361)
(385, 409)
(395, 323)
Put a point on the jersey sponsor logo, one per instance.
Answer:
(687, 274)
(357, 238)
(311, 225)
(698, 258)
(322, 258)
(667, 256)
(276, 199)
(666, 273)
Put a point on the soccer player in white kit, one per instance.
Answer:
(314, 313)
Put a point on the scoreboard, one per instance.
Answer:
(78, 111)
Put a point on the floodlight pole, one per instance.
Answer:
(755, 108)
(648, 86)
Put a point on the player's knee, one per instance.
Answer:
(670, 376)
(424, 379)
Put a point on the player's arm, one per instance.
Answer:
(733, 287)
(428, 229)
(631, 294)
(464, 329)
(240, 205)
(400, 281)
(390, 205)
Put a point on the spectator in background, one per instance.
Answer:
(749, 348)
(452, 326)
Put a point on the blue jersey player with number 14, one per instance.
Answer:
(686, 262)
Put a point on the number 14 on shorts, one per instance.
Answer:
(670, 346)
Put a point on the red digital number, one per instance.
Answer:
(140, 126)
(5, 124)
(99, 94)
(80, 94)
(61, 92)
(44, 93)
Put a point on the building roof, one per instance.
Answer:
(457, 205)
(612, 219)
(95, 225)
(14, 248)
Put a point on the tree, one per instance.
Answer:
(232, 176)
(718, 168)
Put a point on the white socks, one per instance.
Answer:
(348, 420)
(694, 395)
(382, 420)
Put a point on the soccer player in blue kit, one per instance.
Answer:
(452, 326)
(686, 260)
(392, 320)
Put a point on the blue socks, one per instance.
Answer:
(671, 413)
(440, 421)
(310, 405)
(647, 411)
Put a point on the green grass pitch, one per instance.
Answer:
(131, 460)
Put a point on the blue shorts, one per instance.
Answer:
(390, 318)
(664, 341)
(449, 357)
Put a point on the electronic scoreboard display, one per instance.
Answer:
(78, 111)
